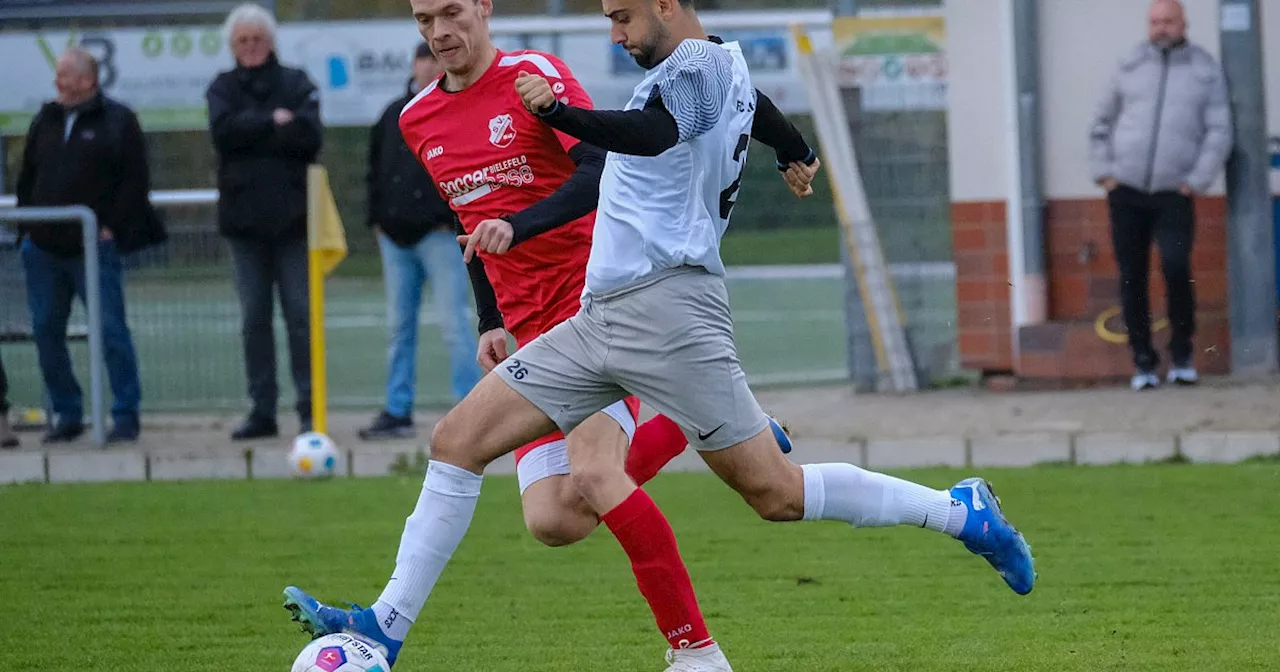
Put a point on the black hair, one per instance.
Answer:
(423, 51)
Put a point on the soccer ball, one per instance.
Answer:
(340, 653)
(313, 456)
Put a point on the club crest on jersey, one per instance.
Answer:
(502, 131)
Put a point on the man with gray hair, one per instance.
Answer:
(265, 122)
(1161, 135)
(84, 148)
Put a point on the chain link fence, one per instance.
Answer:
(788, 287)
(902, 155)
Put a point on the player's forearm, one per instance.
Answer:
(647, 132)
(576, 198)
(774, 129)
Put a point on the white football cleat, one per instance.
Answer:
(706, 659)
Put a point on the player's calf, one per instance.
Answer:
(772, 485)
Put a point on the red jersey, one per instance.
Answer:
(490, 158)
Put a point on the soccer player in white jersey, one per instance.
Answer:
(655, 319)
(655, 322)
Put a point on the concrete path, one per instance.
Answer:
(1218, 421)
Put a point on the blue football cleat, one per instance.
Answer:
(987, 533)
(780, 434)
(321, 619)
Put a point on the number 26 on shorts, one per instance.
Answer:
(517, 370)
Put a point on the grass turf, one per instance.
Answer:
(1167, 567)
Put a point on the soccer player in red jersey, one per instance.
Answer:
(525, 196)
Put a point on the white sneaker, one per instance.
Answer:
(1183, 375)
(7, 438)
(705, 659)
(1144, 380)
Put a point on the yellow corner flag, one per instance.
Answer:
(326, 248)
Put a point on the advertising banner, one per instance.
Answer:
(46, 9)
(162, 74)
(359, 67)
(900, 63)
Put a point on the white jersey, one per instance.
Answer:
(667, 211)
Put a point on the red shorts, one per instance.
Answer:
(549, 456)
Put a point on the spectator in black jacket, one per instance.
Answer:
(265, 121)
(7, 438)
(84, 149)
(415, 231)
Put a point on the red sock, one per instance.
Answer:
(646, 536)
(655, 443)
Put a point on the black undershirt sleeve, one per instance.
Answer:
(486, 300)
(771, 127)
(646, 132)
(576, 198)
(652, 130)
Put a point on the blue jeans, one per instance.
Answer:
(52, 283)
(435, 259)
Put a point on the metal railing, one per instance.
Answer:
(37, 216)
(92, 293)
(170, 197)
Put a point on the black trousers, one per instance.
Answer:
(4, 390)
(1168, 218)
(260, 268)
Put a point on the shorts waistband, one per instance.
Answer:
(645, 282)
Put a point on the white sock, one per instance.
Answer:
(866, 499)
(392, 623)
(431, 535)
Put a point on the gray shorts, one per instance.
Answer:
(667, 339)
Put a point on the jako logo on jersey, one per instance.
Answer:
(557, 88)
(502, 131)
(434, 152)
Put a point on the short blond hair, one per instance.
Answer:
(249, 14)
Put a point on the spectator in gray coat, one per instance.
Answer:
(1161, 135)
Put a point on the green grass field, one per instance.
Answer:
(1166, 567)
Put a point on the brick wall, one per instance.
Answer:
(1083, 286)
(981, 255)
